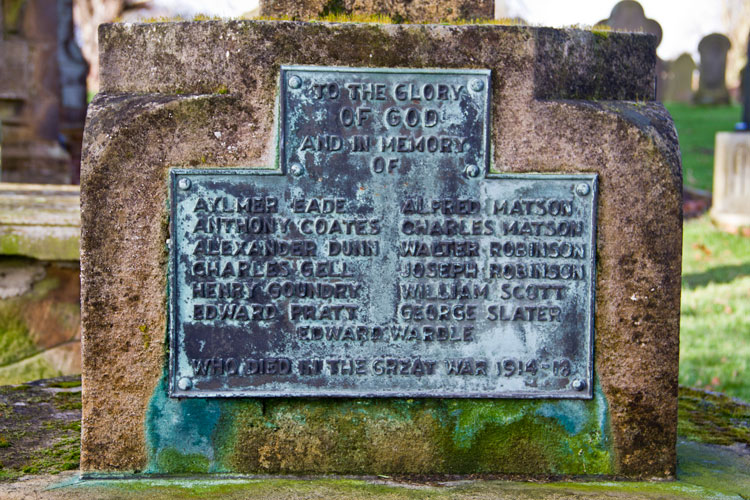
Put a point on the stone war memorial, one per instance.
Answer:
(373, 249)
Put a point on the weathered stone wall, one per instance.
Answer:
(204, 94)
(39, 319)
(40, 310)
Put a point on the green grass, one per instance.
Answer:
(715, 316)
(696, 128)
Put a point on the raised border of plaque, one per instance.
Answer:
(574, 382)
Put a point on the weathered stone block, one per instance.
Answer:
(40, 221)
(196, 95)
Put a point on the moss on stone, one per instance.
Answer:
(601, 31)
(66, 384)
(380, 489)
(721, 469)
(62, 455)
(712, 418)
(11, 14)
(382, 436)
(33, 368)
(334, 7)
(42, 312)
(43, 434)
(47, 247)
(15, 342)
(67, 401)
(357, 18)
(706, 471)
(145, 336)
(332, 14)
(417, 437)
(206, 17)
(171, 461)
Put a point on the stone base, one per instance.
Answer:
(732, 222)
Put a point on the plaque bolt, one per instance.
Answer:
(297, 170)
(583, 189)
(477, 85)
(579, 384)
(184, 384)
(472, 171)
(295, 82)
(183, 183)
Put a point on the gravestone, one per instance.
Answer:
(415, 11)
(744, 124)
(712, 87)
(730, 209)
(41, 94)
(628, 15)
(412, 250)
(679, 84)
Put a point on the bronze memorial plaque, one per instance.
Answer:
(381, 257)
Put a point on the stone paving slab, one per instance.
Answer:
(706, 472)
